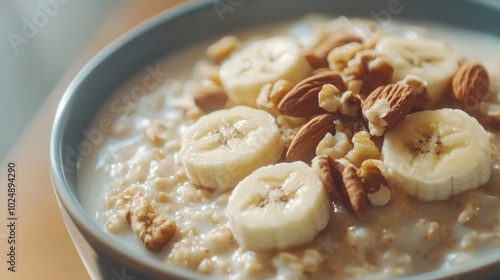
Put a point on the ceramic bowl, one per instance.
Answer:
(185, 26)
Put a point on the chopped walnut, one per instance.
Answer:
(156, 132)
(271, 94)
(372, 173)
(370, 67)
(339, 57)
(221, 49)
(336, 146)
(332, 100)
(364, 149)
(375, 116)
(154, 229)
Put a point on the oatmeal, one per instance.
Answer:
(345, 151)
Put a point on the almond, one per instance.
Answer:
(302, 99)
(470, 85)
(210, 98)
(400, 99)
(303, 146)
(351, 187)
(318, 57)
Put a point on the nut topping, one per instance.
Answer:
(371, 175)
(336, 146)
(302, 99)
(303, 146)
(271, 94)
(154, 229)
(364, 148)
(339, 57)
(386, 106)
(325, 174)
(210, 98)
(318, 57)
(351, 187)
(420, 87)
(470, 85)
(333, 100)
(371, 68)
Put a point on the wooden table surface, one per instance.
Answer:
(44, 249)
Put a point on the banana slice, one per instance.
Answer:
(278, 206)
(266, 61)
(223, 147)
(428, 59)
(435, 154)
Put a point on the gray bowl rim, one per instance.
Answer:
(87, 225)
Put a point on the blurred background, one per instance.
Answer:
(43, 45)
(41, 41)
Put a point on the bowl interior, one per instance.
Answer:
(185, 26)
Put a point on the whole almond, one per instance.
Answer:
(302, 99)
(318, 56)
(470, 85)
(401, 99)
(303, 145)
(210, 98)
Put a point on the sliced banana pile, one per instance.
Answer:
(431, 155)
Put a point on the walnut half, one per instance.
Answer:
(154, 229)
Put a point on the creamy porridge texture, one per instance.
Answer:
(323, 148)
